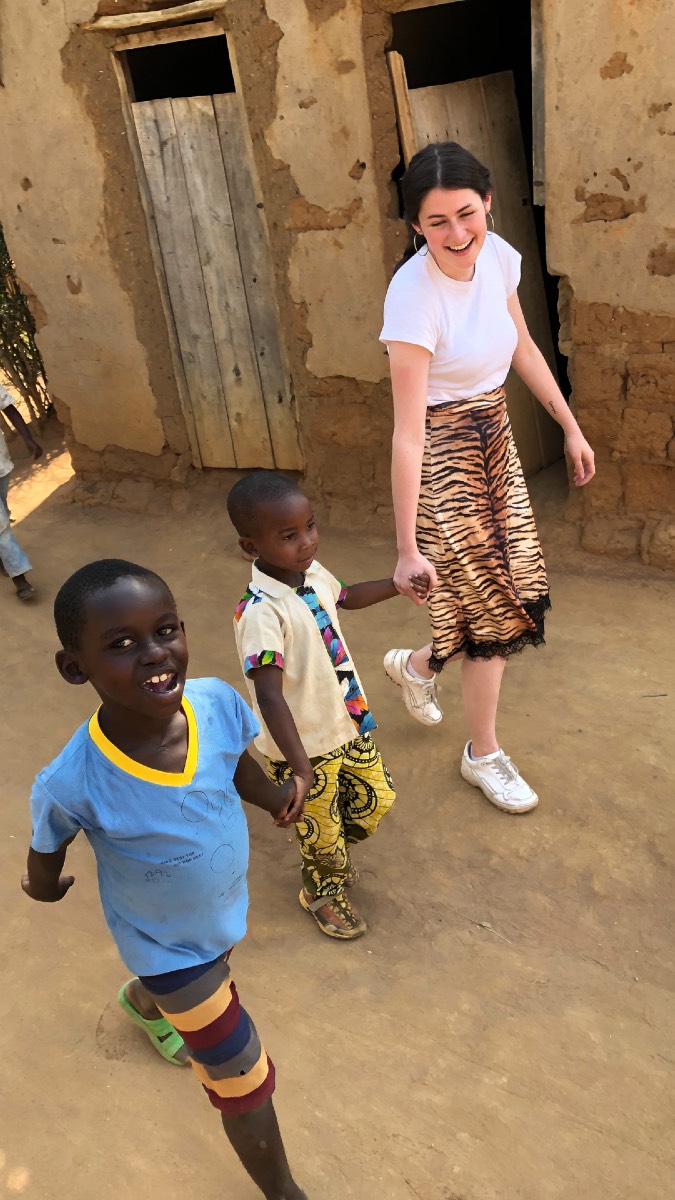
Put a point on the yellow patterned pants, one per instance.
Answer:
(351, 794)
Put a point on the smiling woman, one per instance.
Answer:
(454, 228)
(453, 327)
(451, 220)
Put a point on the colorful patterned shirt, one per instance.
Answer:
(297, 630)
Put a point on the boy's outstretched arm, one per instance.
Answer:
(363, 595)
(268, 684)
(43, 879)
(255, 788)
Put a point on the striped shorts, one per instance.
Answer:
(225, 1050)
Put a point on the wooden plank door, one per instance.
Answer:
(220, 289)
(258, 278)
(482, 114)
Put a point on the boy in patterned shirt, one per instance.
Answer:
(315, 722)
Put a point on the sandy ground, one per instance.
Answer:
(506, 1028)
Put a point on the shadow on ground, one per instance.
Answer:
(505, 1029)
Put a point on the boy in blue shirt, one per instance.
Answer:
(154, 780)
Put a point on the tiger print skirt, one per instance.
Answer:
(476, 526)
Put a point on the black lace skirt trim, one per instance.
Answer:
(535, 609)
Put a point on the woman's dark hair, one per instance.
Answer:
(440, 165)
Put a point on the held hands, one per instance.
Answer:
(415, 577)
(47, 893)
(420, 585)
(295, 792)
(583, 458)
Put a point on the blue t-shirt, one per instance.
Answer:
(171, 849)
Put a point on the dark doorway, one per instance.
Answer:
(194, 67)
(466, 40)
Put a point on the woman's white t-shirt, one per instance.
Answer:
(466, 326)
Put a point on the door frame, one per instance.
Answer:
(153, 37)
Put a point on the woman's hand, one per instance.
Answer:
(408, 567)
(583, 458)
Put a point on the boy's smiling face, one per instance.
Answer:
(132, 649)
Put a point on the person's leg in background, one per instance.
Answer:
(15, 561)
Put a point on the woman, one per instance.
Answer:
(453, 326)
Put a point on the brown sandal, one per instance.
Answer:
(340, 905)
(26, 591)
(352, 877)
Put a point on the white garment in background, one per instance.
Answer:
(6, 463)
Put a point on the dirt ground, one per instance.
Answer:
(505, 1031)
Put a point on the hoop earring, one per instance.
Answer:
(489, 214)
(417, 249)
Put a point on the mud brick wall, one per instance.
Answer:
(623, 375)
(314, 82)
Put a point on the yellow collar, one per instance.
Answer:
(149, 774)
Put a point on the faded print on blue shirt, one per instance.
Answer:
(171, 851)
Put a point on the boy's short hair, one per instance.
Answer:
(71, 599)
(254, 490)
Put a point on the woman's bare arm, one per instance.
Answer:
(530, 364)
(409, 367)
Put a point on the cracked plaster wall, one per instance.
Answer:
(322, 130)
(318, 98)
(610, 142)
(52, 204)
(610, 222)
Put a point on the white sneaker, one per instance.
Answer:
(498, 779)
(419, 695)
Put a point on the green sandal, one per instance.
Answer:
(356, 926)
(163, 1036)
